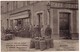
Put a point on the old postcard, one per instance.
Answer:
(40, 25)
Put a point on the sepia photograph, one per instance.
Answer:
(51, 25)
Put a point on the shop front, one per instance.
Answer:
(20, 23)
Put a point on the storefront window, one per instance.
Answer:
(22, 23)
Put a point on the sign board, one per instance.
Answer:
(64, 5)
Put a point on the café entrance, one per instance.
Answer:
(64, 25)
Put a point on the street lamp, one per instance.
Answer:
(48, 8)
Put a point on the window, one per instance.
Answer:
(1, 9)
(27, 3)
(14, 5)
(7, 23)
(10, 6)
(19, 4)
(7, 6)
(19, 22)
(39, 19)
(31, 2)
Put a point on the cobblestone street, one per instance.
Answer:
(59, 45)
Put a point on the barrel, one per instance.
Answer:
(42, 45)
(32, 43)
(51, 43)
(37, 45)
(47, 43)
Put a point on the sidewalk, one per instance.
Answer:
(59, 45)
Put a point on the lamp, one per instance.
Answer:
(48, 7)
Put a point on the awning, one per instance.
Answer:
(20, 16)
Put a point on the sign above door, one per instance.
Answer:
(64, 5)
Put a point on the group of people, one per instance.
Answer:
(37, 31)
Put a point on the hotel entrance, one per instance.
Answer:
(64, 25)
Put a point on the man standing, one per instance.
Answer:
(49, 41)
(48, 31)
(37, 31)
(32, 31)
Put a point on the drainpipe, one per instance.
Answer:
(48, 8)
(29, 12)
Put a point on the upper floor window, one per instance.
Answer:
(31, 2)
(3, 6)
(20, 4)
(7, 6)
(1, 9)
(14, 5)
(27, 3)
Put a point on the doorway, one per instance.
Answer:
(39, 19)
(64, 25)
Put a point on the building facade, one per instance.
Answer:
(61, 15)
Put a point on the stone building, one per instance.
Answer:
(61, 15)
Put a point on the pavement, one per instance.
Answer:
(23, 44)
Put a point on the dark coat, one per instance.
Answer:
(48, 31)
(37, 32)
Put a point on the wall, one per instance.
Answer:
(54, 23)
(39, 8)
